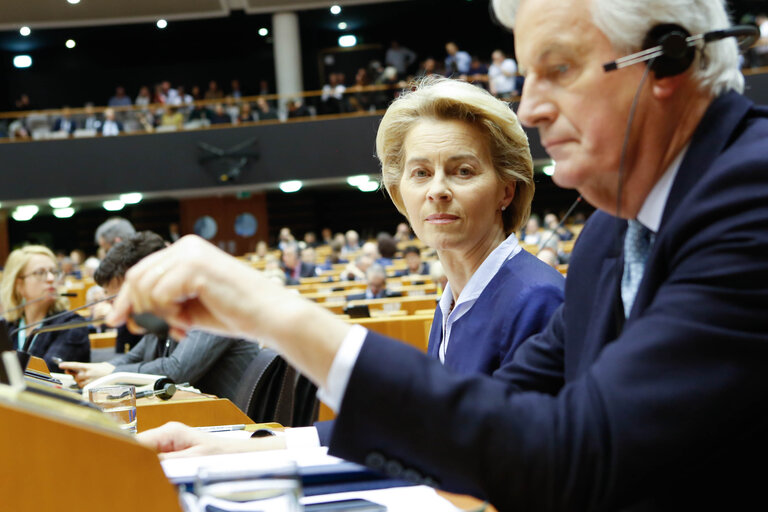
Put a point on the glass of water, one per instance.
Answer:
(266, 489)
(119, 402)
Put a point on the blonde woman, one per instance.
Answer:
(29, 292)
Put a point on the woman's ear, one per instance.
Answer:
(509, 194)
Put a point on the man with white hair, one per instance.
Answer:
(646, 391)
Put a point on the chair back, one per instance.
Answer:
(260, 391)
(305, 403)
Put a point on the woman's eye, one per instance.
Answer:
(465, 171)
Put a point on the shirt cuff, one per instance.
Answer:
(301, 438)
(341, 368)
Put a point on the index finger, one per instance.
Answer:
(71, 365)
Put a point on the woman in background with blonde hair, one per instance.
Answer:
(29, 293)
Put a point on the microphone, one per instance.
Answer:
(63, 313)
(164, 389)
(44, 297)
(559, 224)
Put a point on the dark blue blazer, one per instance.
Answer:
(516, 304)
(666, 411)
(70, 345)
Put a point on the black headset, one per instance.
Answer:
(673, 48)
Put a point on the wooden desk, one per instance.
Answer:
(103, 339)
(190, 408)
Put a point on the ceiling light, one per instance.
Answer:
(290, 186)
(25, 31)
(335, 9)
(22, 61)
(263, 31)
(24, 212)
(63, 213)
(60, 202)
(70, 43)
(162, 23)
(342, 25)
(74, 2)
(356, 181)
(370, 186)
(549, 170)
(347, 41)
(131, 198)
(113, 205)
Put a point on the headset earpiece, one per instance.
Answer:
(677, 54)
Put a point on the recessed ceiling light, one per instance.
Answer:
(347, 41)
(113, 205)
(70, 43)
(25, 31)
(131, 197)
(263, 31)
(335, 9)
(60, 202)
(290, 186)
(74, 2)
(358, 180)
(22, 61)
(342, 25)
(369, 186)
(161, 23)
(24, 212)
(63, 213)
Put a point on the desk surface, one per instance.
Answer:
(193, 409)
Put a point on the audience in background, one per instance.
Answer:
(502, 74)
(457, 62)
(400, 58)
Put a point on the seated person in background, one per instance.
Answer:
(219, 115)
(552, 224)
(351, 242)
(172, 117)
(334, 258)
(532, 232)
(403, 232)
(377, 285)
(29, 294)
(110, 126)
(414, 265)
(69, 269)
(264, 111)
(214, 364)
(308, 257)
(548, 256)
(387, 247)
(293, 267)
(64, 123)
(355, 271)
(246, 114)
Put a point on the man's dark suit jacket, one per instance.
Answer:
(668, 411)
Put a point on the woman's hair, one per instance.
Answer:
(14, 266)
(445, 99)
(626, 22)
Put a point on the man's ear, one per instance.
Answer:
(664, 88)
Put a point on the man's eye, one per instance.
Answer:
(465, 171)
(419, 173)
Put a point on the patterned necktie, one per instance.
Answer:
(637, 246)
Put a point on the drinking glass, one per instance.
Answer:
(119, 402)
(266, 489)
